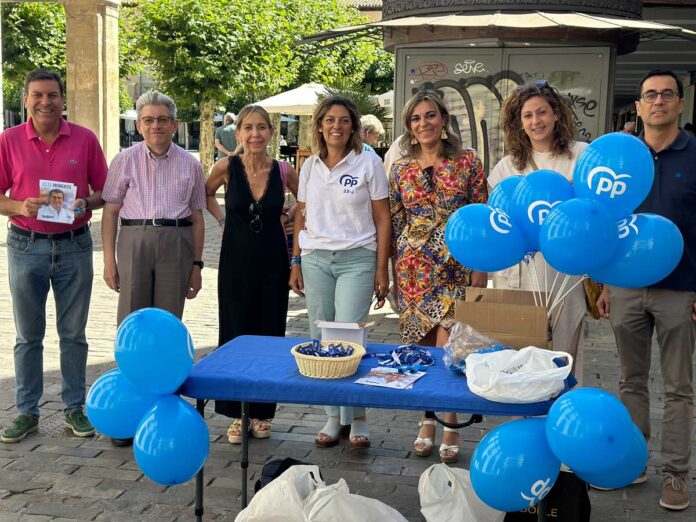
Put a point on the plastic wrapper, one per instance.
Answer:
(464, 340)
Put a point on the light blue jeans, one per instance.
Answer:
(339, 286)
(34, 267)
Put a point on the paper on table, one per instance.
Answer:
(390, 378)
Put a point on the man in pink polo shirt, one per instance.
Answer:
(45, 254)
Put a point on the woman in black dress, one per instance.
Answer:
(254, 270)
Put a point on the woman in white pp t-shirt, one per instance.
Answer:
(540, 134)
(342, 238)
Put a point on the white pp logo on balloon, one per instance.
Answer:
(538, 491)
(626, 225)
(542, 209)
(500, 219)
(612, 185)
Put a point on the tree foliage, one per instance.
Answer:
(207, 52)
(33, 35)
(365, 101)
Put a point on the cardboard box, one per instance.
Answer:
(348, 332)
(509, 316)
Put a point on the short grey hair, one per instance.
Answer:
(155, 98)
(370, 122)
(229, 117)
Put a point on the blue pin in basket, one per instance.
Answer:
(328, 359)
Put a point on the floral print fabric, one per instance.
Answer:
(422, 200)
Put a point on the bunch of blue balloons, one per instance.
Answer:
(587, 228)
(589, 430)
(154, 353)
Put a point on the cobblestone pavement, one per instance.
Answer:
(52, 475)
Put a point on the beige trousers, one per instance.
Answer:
(634, 314)
(154, 267)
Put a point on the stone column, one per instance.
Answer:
(92, 68)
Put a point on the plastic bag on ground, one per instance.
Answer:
(446, 494)
(300, 495)
(523, 376)
(282, 500)
(334, 503)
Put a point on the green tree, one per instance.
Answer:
(364, 100)
(33, 35)
(208, 52)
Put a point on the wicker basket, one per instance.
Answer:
(328, 367)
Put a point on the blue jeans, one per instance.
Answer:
(34, 267)
(339, 286)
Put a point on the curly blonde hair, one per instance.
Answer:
(516, 140)
(451, 147)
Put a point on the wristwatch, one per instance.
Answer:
(199, 264)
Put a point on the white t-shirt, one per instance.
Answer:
(394, 154)
(338, 202)
(544, 160)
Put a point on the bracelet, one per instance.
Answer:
(295, 261)
(221, 221)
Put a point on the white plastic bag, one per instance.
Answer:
(299, 495)
(282, 500)
(335, 503)
(523, 376)
(446, 494)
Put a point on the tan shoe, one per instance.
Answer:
(234, 432)
(449, 453)
(674, 494)
(261, 428)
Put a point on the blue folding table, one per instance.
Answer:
(262, 369)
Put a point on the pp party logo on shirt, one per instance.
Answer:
(348, 183)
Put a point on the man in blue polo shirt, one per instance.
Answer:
(668, 306)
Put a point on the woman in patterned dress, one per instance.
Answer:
(435, 178)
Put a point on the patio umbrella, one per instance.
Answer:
(299, 101)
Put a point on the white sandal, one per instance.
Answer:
(426, 443)
(449, 454)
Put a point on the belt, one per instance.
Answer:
(40, 235)
(158, 222)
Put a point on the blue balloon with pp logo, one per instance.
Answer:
(483, 238)
(534, 198)
(172, 441)
(578, 236)
(154, 350)
(501, 195)
(649, 249)
(627, 470)
(513, 468)
(115, 406)
(617, 170)
(589, 430)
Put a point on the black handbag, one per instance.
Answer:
(567, 501)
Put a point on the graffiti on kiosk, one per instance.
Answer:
(481, 130)
(582, 108)
(428, 71)
(469, 67)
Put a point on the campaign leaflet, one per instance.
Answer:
(61, 197)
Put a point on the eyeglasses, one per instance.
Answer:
(255, 225)
(651, 96)
(148, 121)
(539, 84)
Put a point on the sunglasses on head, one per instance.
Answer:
(539, 84)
